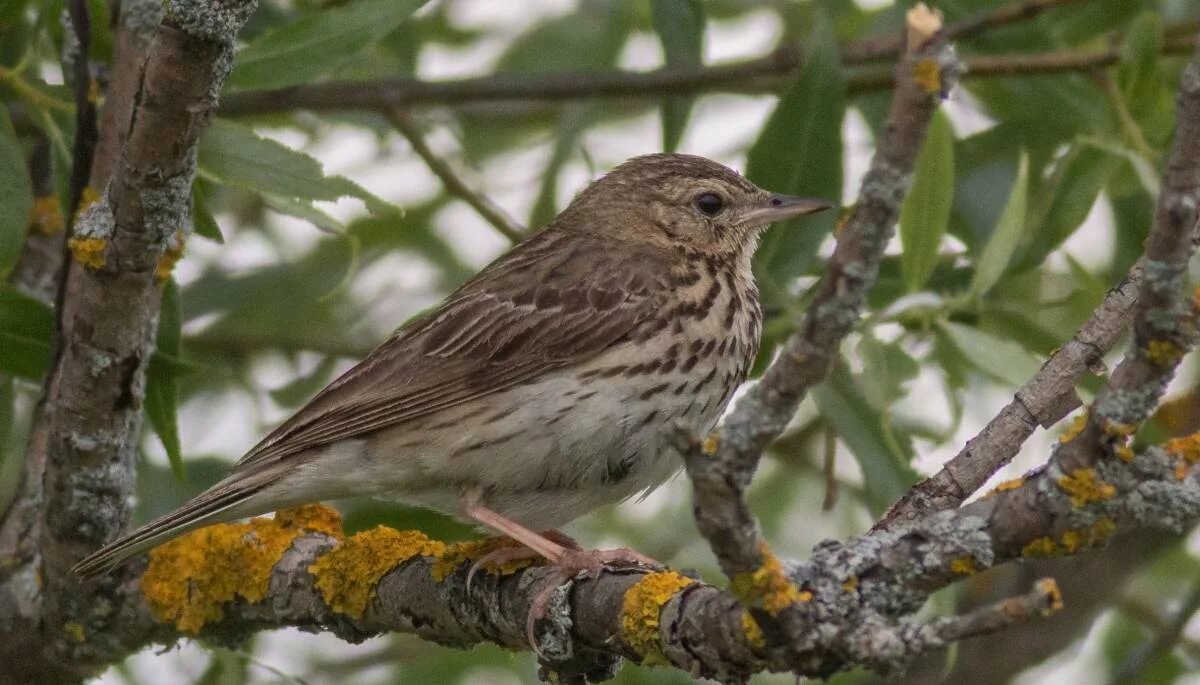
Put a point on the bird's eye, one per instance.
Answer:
(709, 203)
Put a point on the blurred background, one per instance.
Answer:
(1034, 193)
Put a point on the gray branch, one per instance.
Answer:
(80, 459)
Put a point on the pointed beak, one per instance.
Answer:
(779, 207)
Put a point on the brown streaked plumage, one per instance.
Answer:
(541, 388)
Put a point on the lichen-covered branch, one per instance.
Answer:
(855, 601)
(1165, 326)
(88, 424)
(723, 466)
(1153, 291)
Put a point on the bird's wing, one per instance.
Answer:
(557, 301)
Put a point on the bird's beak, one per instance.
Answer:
(779, 207)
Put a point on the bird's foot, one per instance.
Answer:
(567, 566)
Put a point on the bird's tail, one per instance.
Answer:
(219, 503)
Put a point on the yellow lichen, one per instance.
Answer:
(927, 74)
(1048, 587)
(1074, 429)
(640, 609)
(1163, 352)
(1041, 547)
(754, 633)
(963, 566)
(1182, 470)
(1072, 541)
(767, 587)
(75, 631)
(171, 254)
(1084, 487)
(1186, 448)
(461, 552)
(348, 574)
(1102, 530)
(88, 251)
(315, 517)
(1124, 453)
(87, 197)
(1011, 484)
(1114, 429)
(46, 216)
(189, 579)
(850, 584)
(710, 444)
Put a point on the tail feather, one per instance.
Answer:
(204, 509)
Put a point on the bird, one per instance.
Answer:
(547, 385)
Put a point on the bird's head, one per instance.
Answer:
(682, 200)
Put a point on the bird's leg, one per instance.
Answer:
(473, 506)
(559, 549)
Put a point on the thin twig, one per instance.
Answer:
(888, 45)
(1050, 394)
(723, 465)
(768, 74)
(490, 211)
(1165, 639)
(1044, 599)
(85, 107)
(1165, 326)
(829, 468)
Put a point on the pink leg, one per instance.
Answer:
(555, 546)
(552, 551)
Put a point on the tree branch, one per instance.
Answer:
(856, 601)
(490, 211)
(1050, 394)
(769, 74)
(809, 353)
(888, 45)
(87, 429)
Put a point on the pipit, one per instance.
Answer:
(544, 387)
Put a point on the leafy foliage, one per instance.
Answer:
(1032, 196)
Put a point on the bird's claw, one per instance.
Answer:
(568, 566)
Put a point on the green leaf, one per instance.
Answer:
(17, 192)
(11, 463)
(680, 28)
(162, 385)
(203, 221)
(799, 152)
(574, 120)
(1138, 70)
(926, 211)
(317, 43)
(26, 328)
(880, 454)
(1008, 231)
(1078, 179)
(303, 209)
(236, 155)
(1001, 359)
(886, 368)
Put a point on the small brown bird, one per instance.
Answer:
(543, 388)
